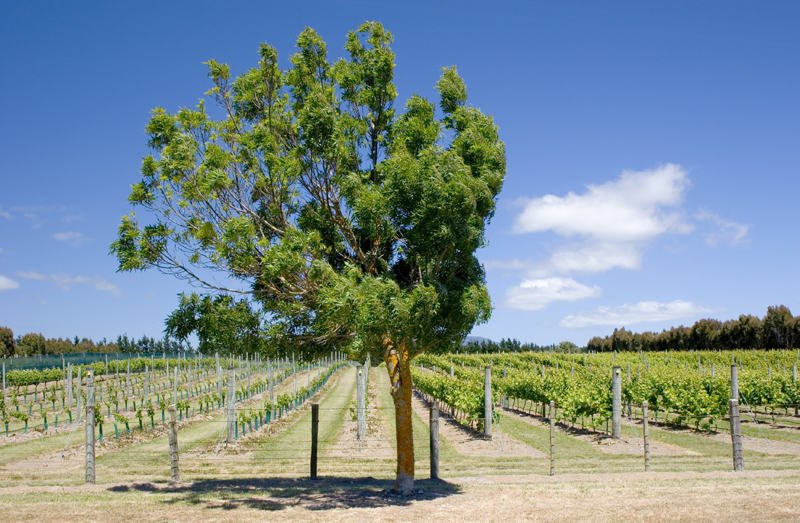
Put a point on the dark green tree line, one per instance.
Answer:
(778, 329)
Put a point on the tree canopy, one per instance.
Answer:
(351, 224)
(777, 330)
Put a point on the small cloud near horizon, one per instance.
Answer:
(642, 312)
(534, 295)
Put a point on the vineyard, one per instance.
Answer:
(688, 419)
(691, 387)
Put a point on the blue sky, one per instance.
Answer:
(653, 150)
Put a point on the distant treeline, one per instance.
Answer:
(33, 344)
(777, 330)
(514, 345)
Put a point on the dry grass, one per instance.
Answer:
(718, 497)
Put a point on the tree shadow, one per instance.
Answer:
(272, 494)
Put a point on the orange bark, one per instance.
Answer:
(398, 364)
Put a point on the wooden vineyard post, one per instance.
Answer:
(314, 436)
(361, 423)
(294, 378)
(646, 438)
(616, 402)
(552, 438)
(736, 436)
(434, 426)
(78, 394)
(219, 379)
(271, 375)
(173, 444)
(734, 383)
(794, 380)
(487, 401)
(69, 391)
(89, 428)
(231, 406)
(628, 381)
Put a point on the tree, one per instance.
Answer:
(777, 328)
(32, 344)
(222, 324)
(704, 334)
(742, 333)
(353, 227)
(7, 344)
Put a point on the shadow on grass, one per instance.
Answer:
(278, 493)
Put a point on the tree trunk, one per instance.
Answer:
(398, 364)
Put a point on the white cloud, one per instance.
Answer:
(35, 213)
(632, 208)
(642, 312)
(575, 257)
(731, 232)
(31, 275)
(609, 223)
(512, 265)
(593, 257)
(534, 295)
(74, 238)
(66, 282)
(7, 283)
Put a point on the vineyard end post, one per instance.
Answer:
(434, 426)
(314, 436)
(231, 404)
(646, 438)
(552, 438)
(173, 444)
(487, 402)
(361, 423)
(736, 436)
(89, 428)
(616, 402)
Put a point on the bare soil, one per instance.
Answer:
(20, 436)
(470, 442)
(607, 444)
(378, 444)
(760, 444)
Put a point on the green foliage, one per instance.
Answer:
(777, 330)
(7, 344)
(350, 225)
(679, 383)
(31, 344)
(222, 324)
